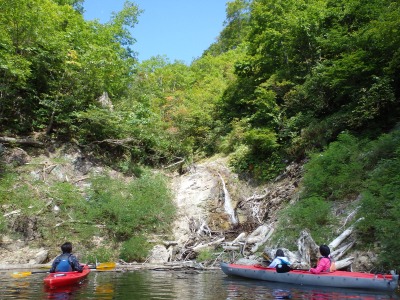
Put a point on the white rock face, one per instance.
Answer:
(159, 255)
(191, 194)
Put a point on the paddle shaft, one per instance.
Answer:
(102, 266)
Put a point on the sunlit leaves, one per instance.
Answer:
(54, 63)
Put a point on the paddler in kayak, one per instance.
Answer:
(66, 262)
(324, 263)
(280, 262)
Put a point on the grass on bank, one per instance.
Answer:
(107, 221)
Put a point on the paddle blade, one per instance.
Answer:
(106, 266)
(20, 274)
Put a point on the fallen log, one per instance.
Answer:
(256, 197)
(336, 242)
(338, 253)
(14, 212)
(341, 264)
(263, 241)
(258, 234)
(231, 248)
(240, 238)
(26, 141)
(345, 234)
(200, 247)
(170, 243)
(307, 248)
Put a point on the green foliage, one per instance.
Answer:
(135, 249)
(380, 207)
(113, 210)
(255, 151)
(66, 195)
(3, 224)
(249, 164)
(185, 99)
(336, 173)
(313, 214)
(18, 193)
(261, 141)
(373, 102)
(285, 79)
(314, 69)
(126, 209)
(235, 138)
(347, 168)
(76, 4)
(54, 63)
(99, 254)
(204, 256)
(236, 27)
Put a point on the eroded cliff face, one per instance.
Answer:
(204, 218)
(215, 207)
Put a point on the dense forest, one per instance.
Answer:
(287, 80)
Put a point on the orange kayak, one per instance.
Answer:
(54, 280)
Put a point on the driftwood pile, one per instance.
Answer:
(247, 245)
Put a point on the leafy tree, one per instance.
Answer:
(76, 4)
(316, 68)
(235, 30)
(184, 97)
(55, 63)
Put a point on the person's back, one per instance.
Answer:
(64, 265)
(324, 263)
(66, 262)
(280, 262)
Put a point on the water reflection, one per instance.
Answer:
(252, 289)
(21, 288)
(174, 285)
(64, 293)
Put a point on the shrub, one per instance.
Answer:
(380, 208)
(101, 254)
(337, 173)
(245, 162)
(3, 224)
(235, 138)
(204, 255)
(313, 214)
(261, 141)
(135, 249)
(142, 205)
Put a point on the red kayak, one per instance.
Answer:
(54, 280)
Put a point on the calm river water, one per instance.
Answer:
(146, 284)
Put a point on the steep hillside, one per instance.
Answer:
(218, 216)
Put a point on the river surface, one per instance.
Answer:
(146, 284)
